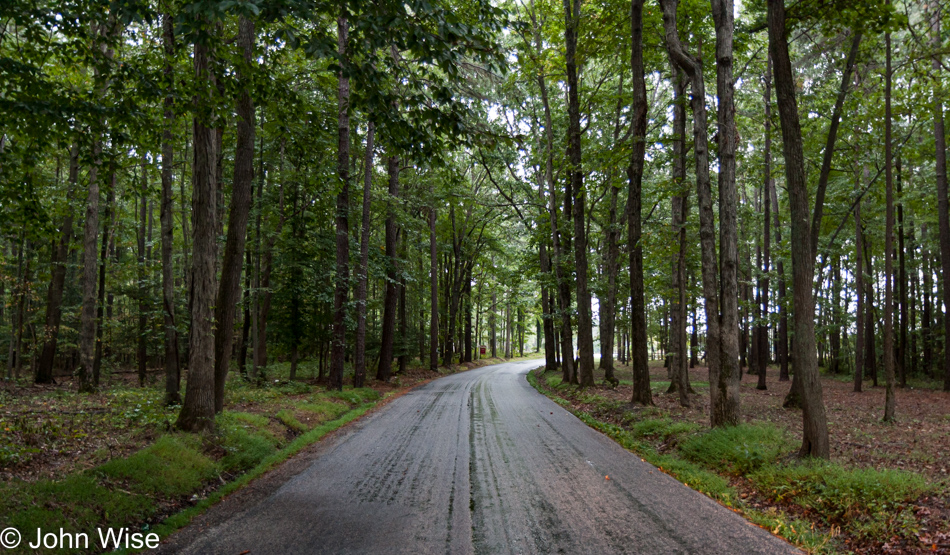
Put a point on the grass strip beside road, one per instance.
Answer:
(820, 506)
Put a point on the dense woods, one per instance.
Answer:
(192, 191)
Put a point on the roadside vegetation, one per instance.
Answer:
(852, 503)
(114, 459)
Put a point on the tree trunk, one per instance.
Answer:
(359, 358)
(434, 293)
(230, 287)
(87, 325)
(902, 281)
(197, 413)
(54, 296)
(384, 370)
(608, 308)
(467, 292)
(889, 358)
(585, 336)
(943, 203)
(680, 209)
(815, 426)
(763, 334)
(782, 339)
(692, 66)
(726, 413)
(642, 393)
(142, 352)
(172, 371)
(927, 316)
(107, 233)
(342, 218)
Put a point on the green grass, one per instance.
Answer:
(736, 449)
(324, 409)
(172, 466)
(871, 503)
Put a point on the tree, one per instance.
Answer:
(815, 425)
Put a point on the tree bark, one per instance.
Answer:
(763, 334)
(142, 351)
(229, 288)
(54, 296)
(642, 394)
(359, 355)
(902, 281)
(679, 204)
(108, 229)
(197, 413)
(390, 298)
(889, 400)
(726, 413)
(815, 427)
(172, 371)
(434, 294)
(342, 218)
(585, 336)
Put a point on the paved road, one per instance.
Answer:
(479, 462)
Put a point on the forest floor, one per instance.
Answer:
(910, 456)
(112, 459)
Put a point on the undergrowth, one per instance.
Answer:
(180, 469)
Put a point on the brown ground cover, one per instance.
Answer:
(49, 431)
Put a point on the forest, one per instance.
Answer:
(206, 200)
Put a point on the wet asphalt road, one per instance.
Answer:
(479, 462)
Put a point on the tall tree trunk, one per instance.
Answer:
(15, 313)
(692, 66)
(642, 393)
(558, 263)
(54, 296)
(889, 400)
(107, 233)
(902, 281)
(726, 413)
(434, 294)
(585, 335)
(680, 208)
(342, 218)
(384, 370)
(943, 203)
(834, 342)
(859, 290)
(782, 336)
(230, 287)
(87, 317)
(197, 413)
(246, 317)
(815, 425)
(467, 315)
(172, 371)
(359, 356)
(608, 308)
(87, 320)
(763, 334)
(693, 340)
(870, 355)
(547, 311)
(927, 317)
(142, 352)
